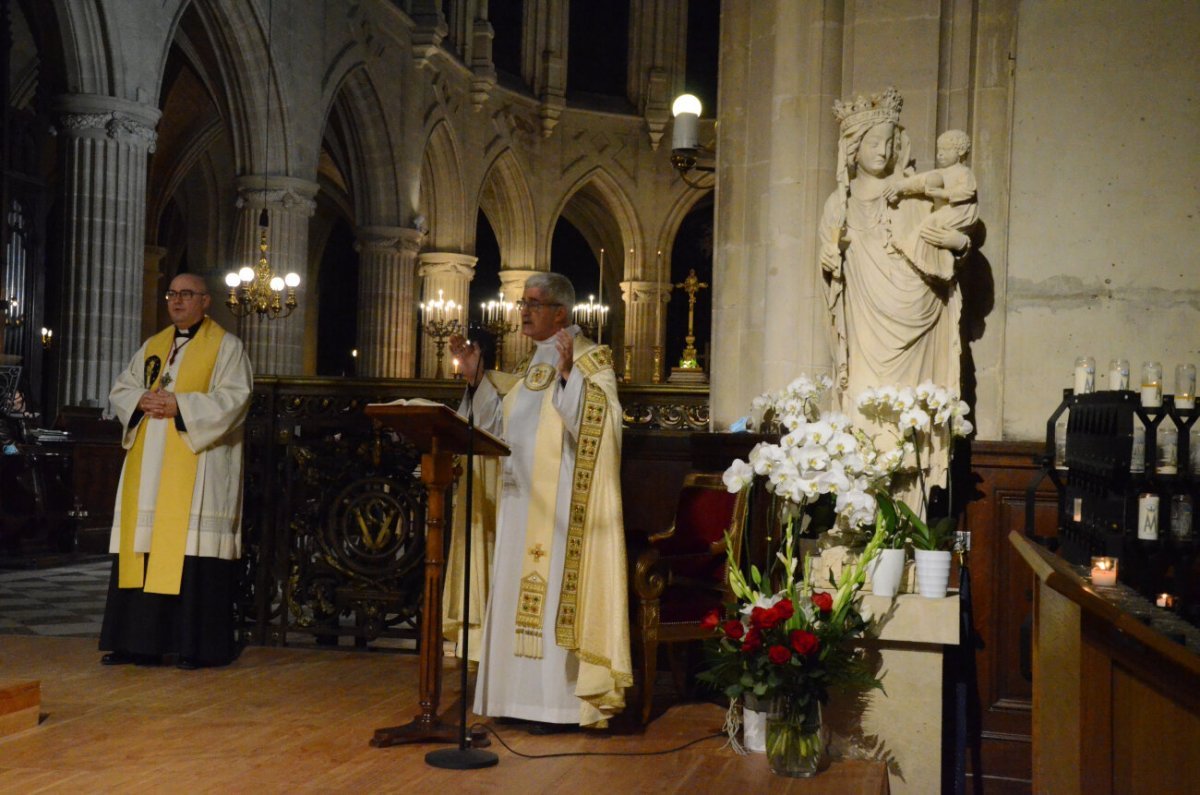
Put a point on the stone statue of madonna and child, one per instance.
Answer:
(891, 244)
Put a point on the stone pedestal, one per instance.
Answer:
(387, 301)
(105, 142)
(910, 634)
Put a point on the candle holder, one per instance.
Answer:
(1104, 572)
(9, 314)
(656, 373)
(627, 375)
(439, 319)
(590, 317)
(496, 322)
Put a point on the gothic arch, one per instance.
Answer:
(505, 199)
(443, 199)
(370, 157)
(683, 205)
(601, 210)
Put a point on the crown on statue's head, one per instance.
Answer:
(879, 107)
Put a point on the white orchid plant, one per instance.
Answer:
(820, 455)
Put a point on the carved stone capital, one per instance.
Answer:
(446, 263)
(290, 194)
(389, 240)
(645, 292)
(119, 119)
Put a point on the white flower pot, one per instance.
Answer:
(933, 572)
(885, 572)
(754, 729)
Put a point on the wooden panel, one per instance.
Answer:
(19, 706)
(1154, 739)
(653, 465)
(1002, 595)
(1056, 711)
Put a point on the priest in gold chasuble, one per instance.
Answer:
(554, 641)
(177, 523)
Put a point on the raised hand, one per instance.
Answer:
(468, 355)
(566, 353)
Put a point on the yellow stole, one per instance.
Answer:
(543, 498)
(173, 503)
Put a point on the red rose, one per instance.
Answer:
(711, 619)
(753, 640)
(804, 643)
(823, 601)
(733, 628)
(779, 654)
(759, 616)
(784, 609)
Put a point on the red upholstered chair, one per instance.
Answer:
(679, 574)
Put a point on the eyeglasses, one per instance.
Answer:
(532, 306)
(186, 295)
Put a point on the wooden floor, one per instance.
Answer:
(293, 720)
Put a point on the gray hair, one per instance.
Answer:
(555, 286)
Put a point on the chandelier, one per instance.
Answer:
(259, 290)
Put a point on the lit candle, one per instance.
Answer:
(1165, 600)
(1104, 572)
(1118, 374)
(1085, 375)
(1185, 386)
(454, 362)
(1151, 384)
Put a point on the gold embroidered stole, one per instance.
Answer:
(543, 498)
(539, 524)
(173, 503)
(591, 426)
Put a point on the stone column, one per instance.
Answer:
(154, 287)
(645, 324)
(657, 47)
(770, 321)
(387, 301)
(276, 347)
(450, 273)
(105, 141)
(516, 344)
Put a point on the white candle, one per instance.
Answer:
(1165, 600)
(1104, 571)
(1151, 385)
(1147, 529)
(1085, 375)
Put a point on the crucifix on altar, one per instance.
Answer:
(689, 370)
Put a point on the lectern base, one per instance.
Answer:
(459, 759)
(418, 731)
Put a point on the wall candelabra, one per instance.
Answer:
(497, 322)
(440, 319)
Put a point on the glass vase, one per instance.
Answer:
(795, 737)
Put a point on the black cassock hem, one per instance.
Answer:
(197, 624)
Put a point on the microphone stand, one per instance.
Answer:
(462, 757)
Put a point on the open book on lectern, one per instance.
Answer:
(434, 414)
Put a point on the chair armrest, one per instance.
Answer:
(650, 574)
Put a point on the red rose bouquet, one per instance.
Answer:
(792, 645)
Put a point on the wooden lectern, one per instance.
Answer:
(439, 434)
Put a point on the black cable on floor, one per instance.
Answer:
(511, 750)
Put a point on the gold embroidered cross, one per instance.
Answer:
(537, 552)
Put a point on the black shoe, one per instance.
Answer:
(116, 658)
(539, 729)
